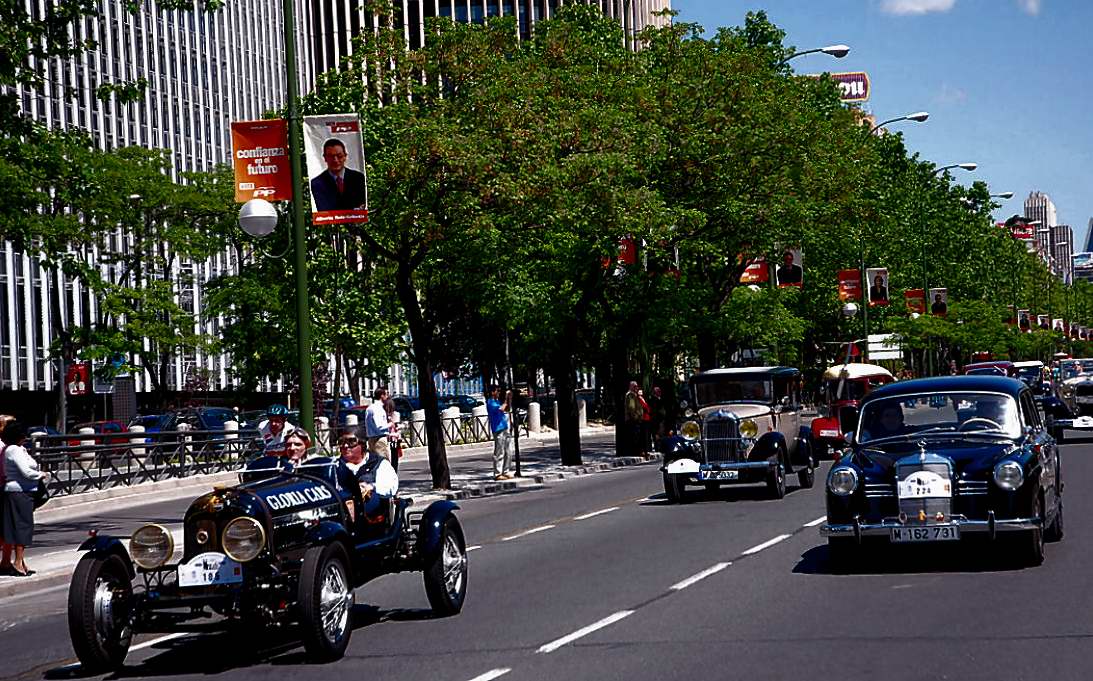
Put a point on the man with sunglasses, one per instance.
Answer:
(373, 473)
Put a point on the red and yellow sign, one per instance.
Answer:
(849, 285)
(260, 157)
(756, 272)
(915, 301)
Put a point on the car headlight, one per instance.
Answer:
(1008, 475)
(842, 481)
(151, 546)
(749, 429)
(243, 539)
(688, 412)
(691, 430)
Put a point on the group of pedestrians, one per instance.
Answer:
(20, 478)
(644, 419)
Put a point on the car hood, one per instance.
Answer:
(969, 457)
(740, 410)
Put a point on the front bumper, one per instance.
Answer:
(1080, 423)
(991, 526)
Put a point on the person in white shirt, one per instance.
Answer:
(375, 475)
(375, 419)
(276, 427)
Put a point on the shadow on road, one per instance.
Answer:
(884, 559)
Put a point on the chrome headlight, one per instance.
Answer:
(1008, 475)
(842, 481)
(151, 546)
(691, 430)
(749, 429)
(243, 539)
(688, 412)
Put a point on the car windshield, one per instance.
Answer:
(915, 415)
(1029, 373)
(851, 389)
(752, 389)
(146, 421)
(987, 371)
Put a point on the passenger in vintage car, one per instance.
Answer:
(374, 474)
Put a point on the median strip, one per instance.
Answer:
(765, 545)
(585, 631)
(527, 532)
(679, 586)
(593, 514)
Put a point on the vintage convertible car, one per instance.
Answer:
(947, 459)
(286, 546)
(844, 387)
(1071, 405)
(741, 425)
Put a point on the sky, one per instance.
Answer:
(1008, 83)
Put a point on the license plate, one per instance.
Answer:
(1085, 400)
(830, 433)
(904, 535)
(719, 475)
(1083, 422)
(208, 569)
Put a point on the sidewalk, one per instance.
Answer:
(64, 523)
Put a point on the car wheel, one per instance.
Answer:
(712, 488)
(776, 481)
(326, 602)
(806, 477)
(674, 488)
(445, 574)
(99, 602)
(1031, 543)
(843, 554)
(1055, 530)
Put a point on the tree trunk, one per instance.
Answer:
(569, 435)
(421, 339)
(707, 351)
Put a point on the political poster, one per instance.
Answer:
(877, 279)
(1043, 322)
(939, 301)
(336, 169)
(756, 272)
(913, 299)
(1058, 325)
(1024, 321)
(261, 162)
(849, 285)
(791, 271)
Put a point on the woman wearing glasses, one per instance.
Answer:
(375, 475)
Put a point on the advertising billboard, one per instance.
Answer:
(854, 86)
(756, 272)
(790, 272)
(260, 159)
(939, 301)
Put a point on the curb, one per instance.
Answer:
(18, 587)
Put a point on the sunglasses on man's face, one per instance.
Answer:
(350, 442)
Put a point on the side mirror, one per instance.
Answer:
(849, 438)
(786, 401)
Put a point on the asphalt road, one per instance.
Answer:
(598, 578)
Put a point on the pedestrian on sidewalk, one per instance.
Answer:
(394, 438)
(646, 423)
(20, 477)
(376, 425)
(498, 414)
(632, 420)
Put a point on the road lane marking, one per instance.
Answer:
(679, 586)
(473, 548)
(593, 514)
(527, 532)
(492, 674)
(161, 639)
(814, 523)
(585, 631)
(765, 545)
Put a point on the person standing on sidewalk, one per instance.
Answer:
(21, 476)
(394, 439)
(498, 414)
(377, 427)
(632, 413)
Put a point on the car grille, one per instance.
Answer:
(881, 490)
(970, 488)
(720, 440)
(931, 506)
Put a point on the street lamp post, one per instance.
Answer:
(925, 273)
(917, 117)
(837, 51)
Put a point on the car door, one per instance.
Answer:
(1048, 449)
(787, 408)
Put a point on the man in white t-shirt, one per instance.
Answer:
(375, 420)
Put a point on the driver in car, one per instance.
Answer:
(887, 423)
(991, 410)
(373, 473)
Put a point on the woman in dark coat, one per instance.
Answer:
(21, 477)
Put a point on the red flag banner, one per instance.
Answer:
(756, 272)
(260, 159)
(849, 285)
(913, 299)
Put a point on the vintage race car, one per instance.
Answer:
(741, 425)
(287, 546)
(945, 460)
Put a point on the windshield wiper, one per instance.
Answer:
(937, 429)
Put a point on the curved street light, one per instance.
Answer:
(917, 117)
(963, 166)
(837, 51)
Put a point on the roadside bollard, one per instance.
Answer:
(481, 423)
(185, 449)
(582, 414)
(231, 437)
(322, 430)
(556, 415)
(137, 439)
(535, 423)
(450, 426)
(417, 428)
(351, 420)
(87, 442)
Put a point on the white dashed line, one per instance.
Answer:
(593, 514)
(699, 577)
(814, 523)
(473, 548)
(766, 545)
(161, 639)
(527, 532)
(492, 674)
(580, 633)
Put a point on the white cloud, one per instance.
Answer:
(1030, 6)
(902, 7)
(950, 94)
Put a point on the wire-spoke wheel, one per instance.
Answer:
(445, 574)
(99, 600)
(326, 602)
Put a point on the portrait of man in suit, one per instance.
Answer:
(338, 187)
(789, 272)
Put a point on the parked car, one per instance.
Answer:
(251, 418)
(406, 406)
(106, 433)
(992, 368)
(741, 425)
(844, 386)
(346, 402)
(150, 423)
(466, 403)
(946, 460)
(44, 430)
(282, 548)
(198, 418)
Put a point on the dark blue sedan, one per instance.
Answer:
(947, 460)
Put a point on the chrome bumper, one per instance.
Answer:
(989, 526)
(1069, 424)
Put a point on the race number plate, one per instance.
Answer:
(1083, 422)
(925, 485)
(208, 569)
(905, 535)
(719, 475)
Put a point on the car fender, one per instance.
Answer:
(768, 446)
(803, 456)
(105, 545)
(432, 520)
(326, 532)
(676, 447)
(684, 466)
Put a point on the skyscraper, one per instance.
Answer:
(1055, 242)
(1089, 237)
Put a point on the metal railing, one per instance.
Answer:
(459, 430)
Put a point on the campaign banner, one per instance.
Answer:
(1058, 325)
(756, 272)
(261, 162)
(78, 378)
(1043, 322)
(791, 271)
(849, 285)
(336, 169)
(939, 301)
(877, 279)
(1024, 321)
(853, 86)
(913, 299)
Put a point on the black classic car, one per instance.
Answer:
(945, 460)
(739, 426)
(286, 547)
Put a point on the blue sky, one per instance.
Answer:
(1008, 83)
